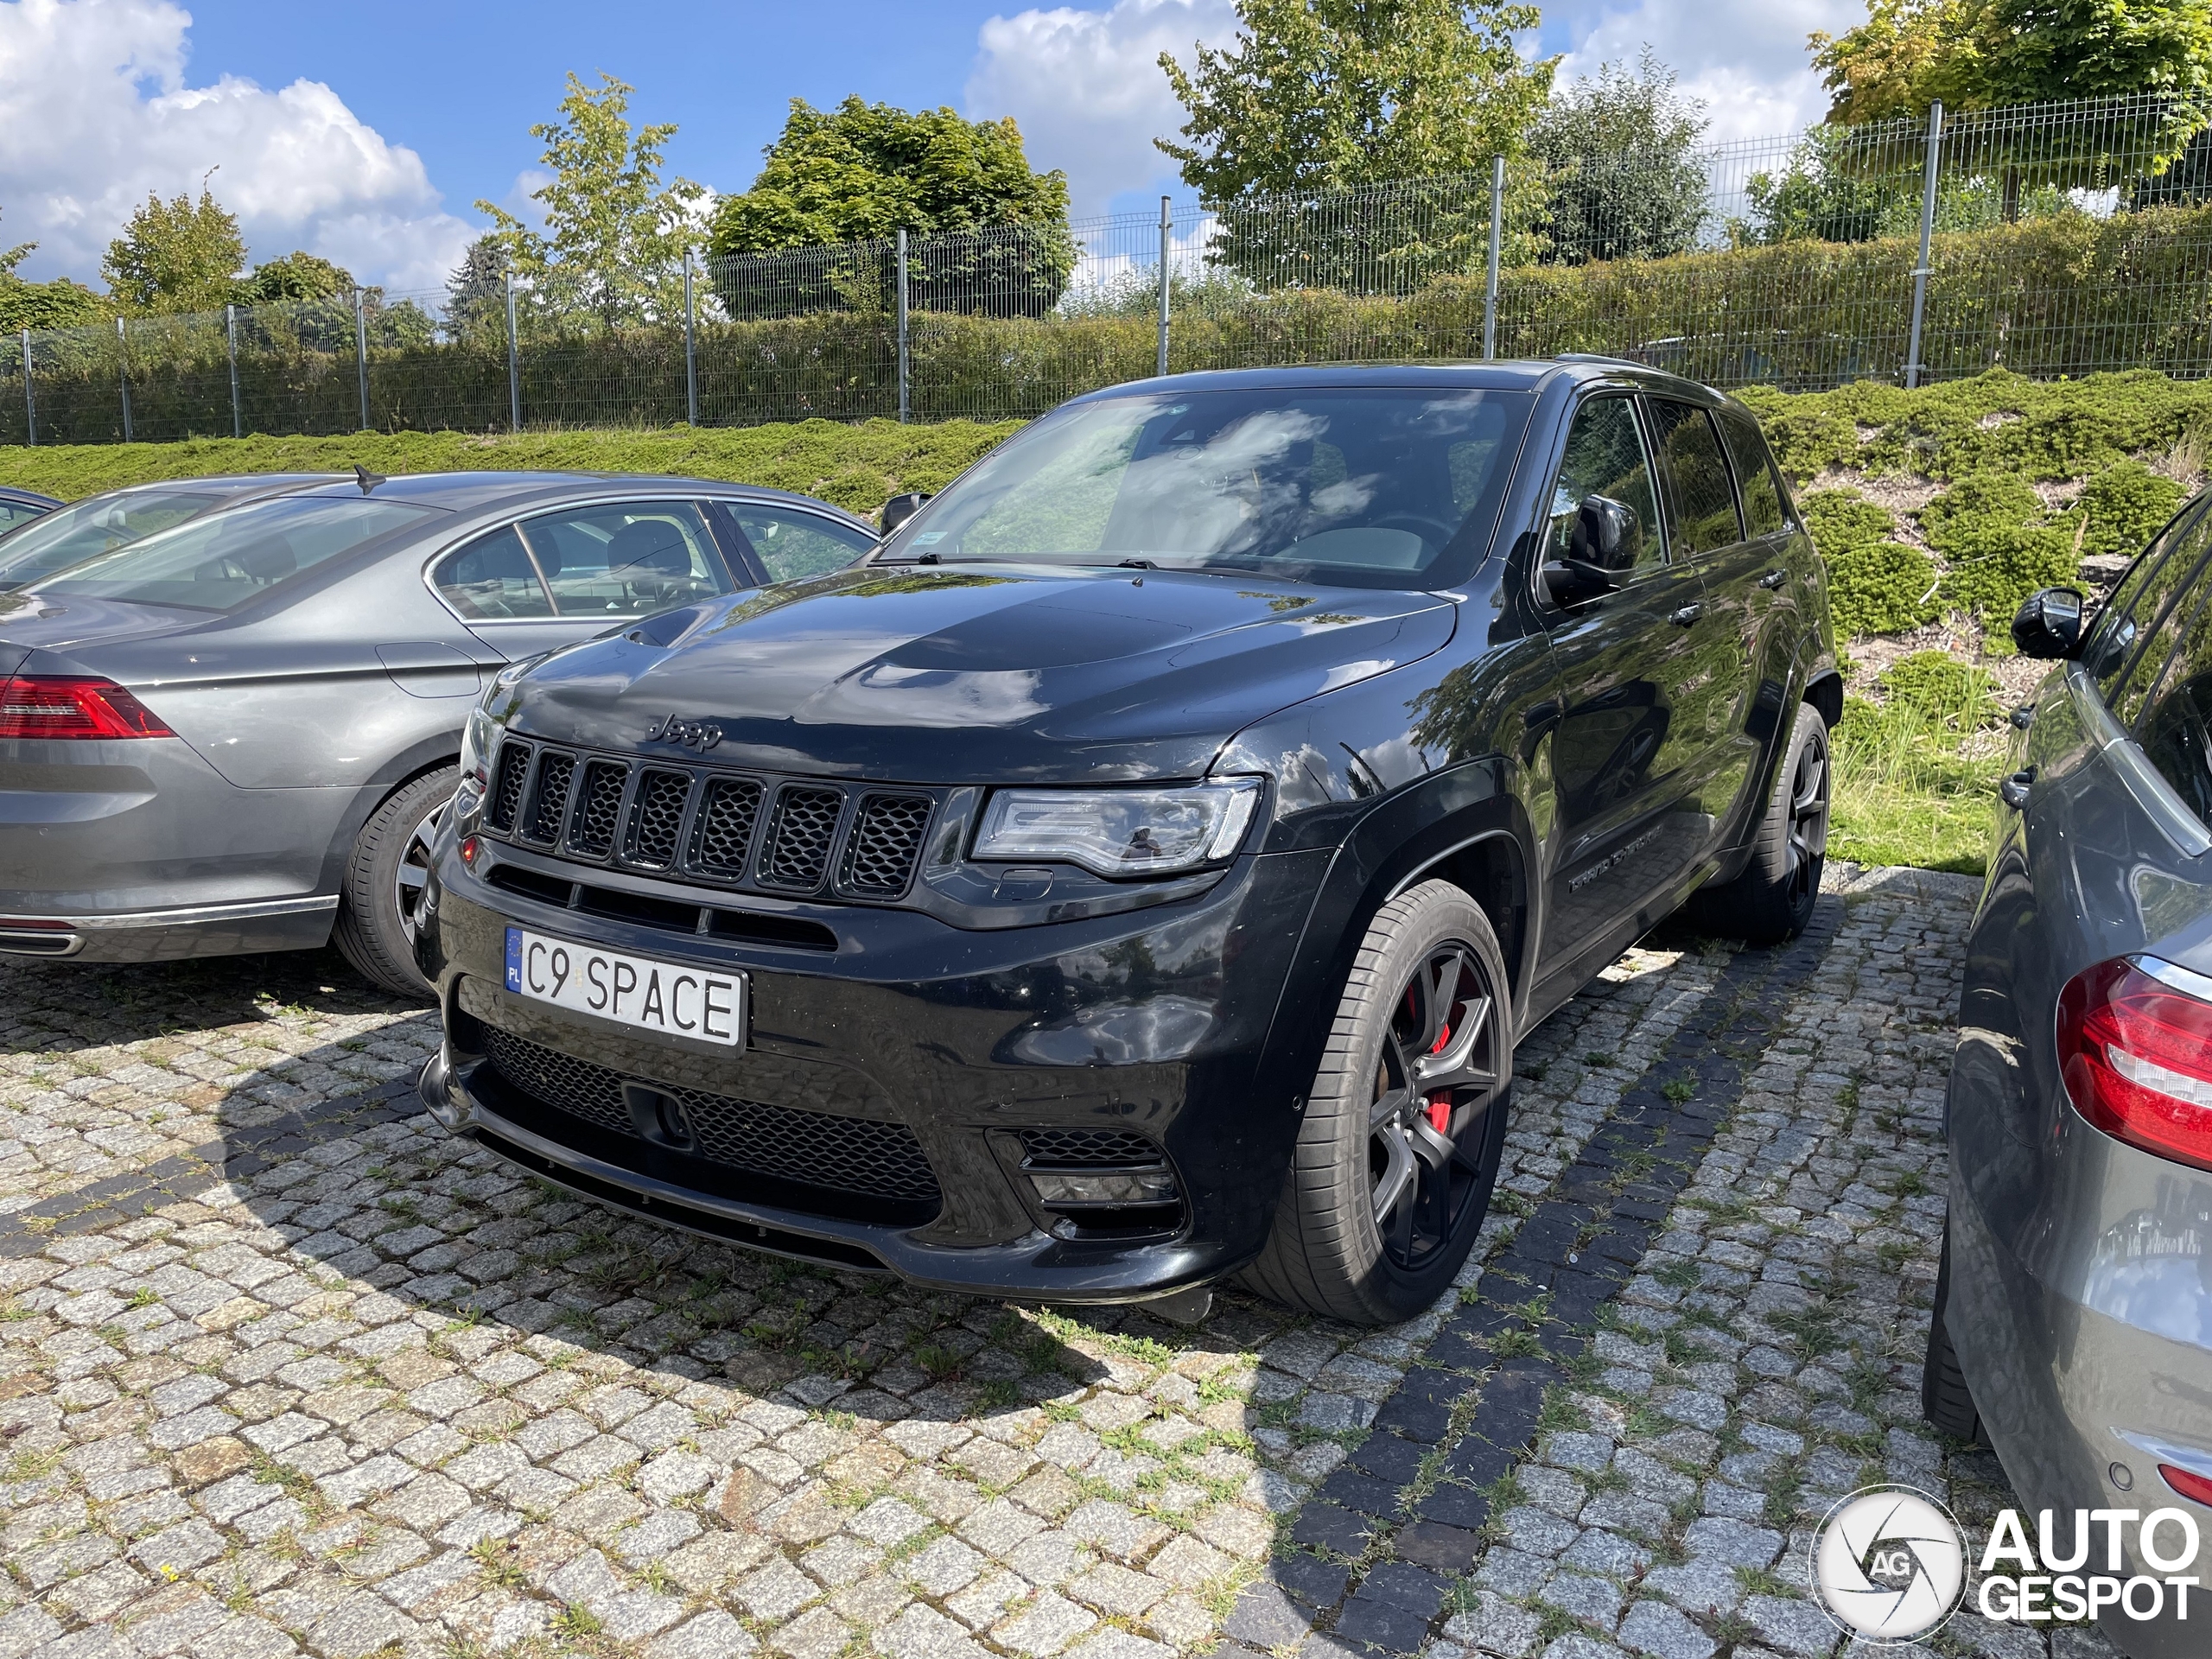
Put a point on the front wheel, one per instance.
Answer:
(1405, 1127)
(383, 893)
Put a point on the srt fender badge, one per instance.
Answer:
(701, 734)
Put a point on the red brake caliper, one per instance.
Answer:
(1439, 1103)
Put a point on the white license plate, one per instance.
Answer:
(669, 999)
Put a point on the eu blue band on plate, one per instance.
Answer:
(514, 959)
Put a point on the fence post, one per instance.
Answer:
(122, 374)
(691, 349)
(361, 353)
(514, 363)
(230, 332)
(1927, 231)
(30, 398)
(1496, 245)
(1167, 234)
(902, 325)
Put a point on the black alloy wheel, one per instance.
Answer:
(380, 899)
(1773, 901)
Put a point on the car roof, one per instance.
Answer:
(227, 483)
(29, 497)
(1513, 375)
(488, 492)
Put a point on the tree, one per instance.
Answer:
(476, 292)
(1328, 95)
(175, 256)
(297, 276)
(1620, 154)
(859, 174)
(57, 304)
(614, 234)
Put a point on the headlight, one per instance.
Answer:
(1120, 832)
(476, 739)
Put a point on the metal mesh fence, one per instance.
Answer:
(2061, 239)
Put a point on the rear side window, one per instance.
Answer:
(16, 512)
(1757, 485)
(72, 534)
(491, 578)
(1606, 457)
(2152, 626)
(2114, 636)
(1703, 502)
(790, 543)
(627, 559)
(2177, 727)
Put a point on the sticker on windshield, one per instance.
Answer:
(927, 536)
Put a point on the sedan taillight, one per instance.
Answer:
(2135, 1050)
(54, 706)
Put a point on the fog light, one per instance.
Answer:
(1105, 1187)
(469, 848)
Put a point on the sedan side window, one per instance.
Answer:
(1703, 502)
(2154, 621)
(1605, 456)
(2176, 729)
(790, 543)
(491, 579)
(626, 559)
(2112, 637)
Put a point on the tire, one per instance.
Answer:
(1429, 965)
(1773, 901)
(1945, 1400)
(375, 922)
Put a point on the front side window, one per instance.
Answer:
(13, 513)
(1704, 518)
(71, 534)
(227, 559)
(2152, 626)
(492, 579)
(1606, 457)
(790, 543)
(627, 559)
(1381, 487)
(2176, 731)
(2110, 645)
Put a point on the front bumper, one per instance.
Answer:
(1156, 1021)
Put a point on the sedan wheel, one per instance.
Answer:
(414, 872)
(380, 906)
(1404, 1129)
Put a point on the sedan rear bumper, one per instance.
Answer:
(173, 934)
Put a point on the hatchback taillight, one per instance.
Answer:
(52, 706)
(2135, 1050)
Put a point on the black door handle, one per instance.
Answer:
(1686, 616)
(2013, 790)
(2023, 716)
(1774, 578)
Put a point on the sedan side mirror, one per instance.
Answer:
(899, 508)
(2049, 624)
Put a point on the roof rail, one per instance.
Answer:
(1599, 357)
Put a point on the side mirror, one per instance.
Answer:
(899, 508)
(1568, 582)
(2049, 624)
(1602, 527)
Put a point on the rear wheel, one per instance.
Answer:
(383, 892)
(1945, 1398)
(1405, 1126)
(1773, 901)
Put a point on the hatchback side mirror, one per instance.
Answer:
(899, 508)
(2049, 624)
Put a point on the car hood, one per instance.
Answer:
(1004, 674)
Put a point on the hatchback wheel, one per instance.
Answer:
(1773, 901)
(382, 895)
(1945, 1400)
(1405, 1125)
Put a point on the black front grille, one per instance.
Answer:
(506, 788)
(726, 815)
(842, 1154)
(806, 823)
(887, 839)
(657, 817)
(550, 805)
(598, 809)
(1089, 1148)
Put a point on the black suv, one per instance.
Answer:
(1140, 869)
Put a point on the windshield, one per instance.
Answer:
(70, 534)
(219, 563)
(1370, 487)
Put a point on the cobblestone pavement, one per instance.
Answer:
(281, 1369)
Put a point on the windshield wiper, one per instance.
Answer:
(1135, 564)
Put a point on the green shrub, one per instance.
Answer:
(1881, 587)
(2124, 506)
(1844, 518)
(1933, 685)
(1975, 510)
(2003, 566)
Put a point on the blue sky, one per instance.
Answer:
(367, 135)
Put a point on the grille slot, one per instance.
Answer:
(845, 1154)
(728, 813)
(886, 840)
(1077, 1148)
(805, 824)
(506, 788)
(598, 809)
(657, 817)
(551, 804)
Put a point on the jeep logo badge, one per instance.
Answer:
(701, 734)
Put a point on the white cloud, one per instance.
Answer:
(97, 111)
(1746, 59)
(1087, 88)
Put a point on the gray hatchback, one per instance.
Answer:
(237, 733)
(2073, 1322)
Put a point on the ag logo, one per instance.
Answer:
(1888, 1564)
